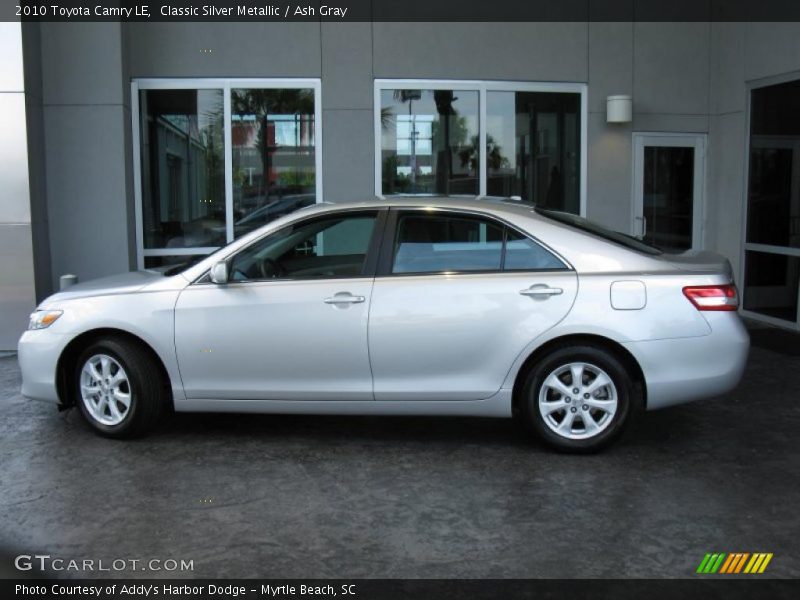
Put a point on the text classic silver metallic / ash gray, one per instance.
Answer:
(400, 307)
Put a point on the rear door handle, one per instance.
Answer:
(344, 298)
(541, 291)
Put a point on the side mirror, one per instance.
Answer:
(219, 273)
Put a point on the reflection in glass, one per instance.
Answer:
(668, 197)
(429, 142)
(274, 164)
(533, 147)
(771, 282)
(183, 169)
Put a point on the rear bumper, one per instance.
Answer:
(685, 369)
(38, 353)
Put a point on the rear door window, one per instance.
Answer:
(453, 243)
(441, 244)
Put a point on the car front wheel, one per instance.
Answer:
(578, 399)
(120, 390)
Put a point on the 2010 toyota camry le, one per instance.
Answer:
(403, 306)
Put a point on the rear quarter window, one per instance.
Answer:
(523, 254)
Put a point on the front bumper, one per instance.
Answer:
(685, 369)
(38, 352)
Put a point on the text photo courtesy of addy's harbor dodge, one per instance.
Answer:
(146, 11)
(153, 590)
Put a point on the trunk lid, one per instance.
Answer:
(701, 261)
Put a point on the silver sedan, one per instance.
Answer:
(400, 307)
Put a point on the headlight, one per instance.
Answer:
(42, 319)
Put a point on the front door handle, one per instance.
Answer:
(344, 298)
(541, 291)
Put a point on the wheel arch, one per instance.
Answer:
(617, 349)
(65, 368)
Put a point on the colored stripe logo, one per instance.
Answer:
(734, 563)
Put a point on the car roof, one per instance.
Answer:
(481, 203)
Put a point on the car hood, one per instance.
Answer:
(123, 283)
(702, 261)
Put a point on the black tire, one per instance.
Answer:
(626, 393)
(146, 386)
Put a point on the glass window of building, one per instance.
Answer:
(274, 170)
(429, 142)
(482, 138)
(219, 158)
(183, 168)
(533, 147)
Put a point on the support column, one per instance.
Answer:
(17, 287)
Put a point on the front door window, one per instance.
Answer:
(326, 248)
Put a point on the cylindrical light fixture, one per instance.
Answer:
(619, 109)
(67, 281)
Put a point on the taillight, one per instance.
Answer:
(713, 297)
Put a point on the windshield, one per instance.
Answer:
(182, 266)
(191, 260)
(588, 226)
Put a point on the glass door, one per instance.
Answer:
(772, 233)
(669, 175)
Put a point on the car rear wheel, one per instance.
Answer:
(120, 389)
(578, 398)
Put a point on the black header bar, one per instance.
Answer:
(399, 10)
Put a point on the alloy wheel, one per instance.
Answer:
(105, 389)
(578, 400)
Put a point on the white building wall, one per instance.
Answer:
(17, 285)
